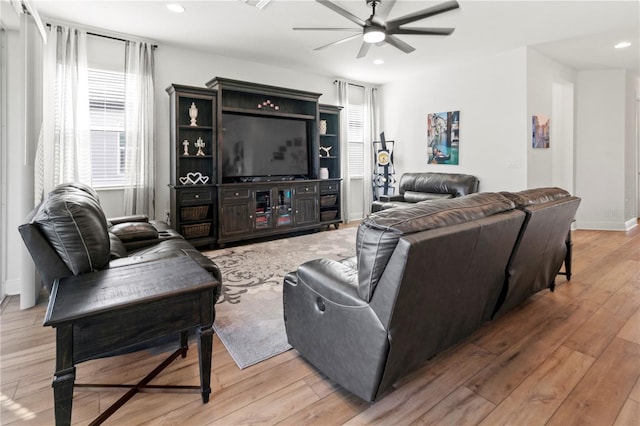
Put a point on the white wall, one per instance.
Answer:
(550, 92)
(600, 148)
(492, 98)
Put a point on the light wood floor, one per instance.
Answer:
(562, 358)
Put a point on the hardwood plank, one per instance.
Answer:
(592, 337)
(599, 396)
(462, 407)
(273, 408)
(417, 396)
(501, 334)
(635, 392)
(507, 371)
(631, 330)
(234, 397)
(333, 409)
(629, 415)
(540, 394)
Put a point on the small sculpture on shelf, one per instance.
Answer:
(185, 144)
(326, 149)
(193, 114)
(199, 144)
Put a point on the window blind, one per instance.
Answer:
(355, 140)
(107, 116)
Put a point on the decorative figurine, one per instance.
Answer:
(193, 113)
(323, 127)
(200, 144)
(186, 147)
(325, 149)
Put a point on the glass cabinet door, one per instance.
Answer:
(282, 205)
(263, 209)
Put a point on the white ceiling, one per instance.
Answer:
(579, 33)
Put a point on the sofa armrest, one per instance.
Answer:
(124, 219)
(331, 280)
(389, 198)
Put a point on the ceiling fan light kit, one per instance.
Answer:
(373, 35)
(376, 29)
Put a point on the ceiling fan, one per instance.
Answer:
(376, 30)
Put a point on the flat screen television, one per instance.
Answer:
(254, 146)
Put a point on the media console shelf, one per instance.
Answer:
(265, 160)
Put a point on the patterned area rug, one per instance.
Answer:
(249, 313)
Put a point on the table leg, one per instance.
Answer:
(205, 349)
(65, 375)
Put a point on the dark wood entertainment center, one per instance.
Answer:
(249, 163)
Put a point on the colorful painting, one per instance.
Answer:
(540, 127)
(443, 137)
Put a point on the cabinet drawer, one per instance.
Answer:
(309, 188)
(200, 195)
(235, 193)
(329, 187)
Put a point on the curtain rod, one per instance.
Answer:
(356, 85)
(154, 46)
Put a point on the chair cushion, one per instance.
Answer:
(73, 221)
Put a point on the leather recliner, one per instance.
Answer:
(542, 244)
(68, 234)
(422, 187)
(423, 278)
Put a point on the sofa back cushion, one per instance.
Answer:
(534, 196)
(378, 235)
(73, 222)
(455, 184)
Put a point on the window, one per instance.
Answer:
(355, 140)
(106, 109)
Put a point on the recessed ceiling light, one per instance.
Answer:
(622, 45)
(378, 61)
(175, 8)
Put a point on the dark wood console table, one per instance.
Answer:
(100, 313)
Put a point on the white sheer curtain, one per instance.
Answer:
(63, 153)
(371, 133)
(139, 193)
(343, 101)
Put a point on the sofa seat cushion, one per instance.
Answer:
(73, 221)
(378, 235)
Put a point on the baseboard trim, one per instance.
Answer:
(631, 223)
(603, 226)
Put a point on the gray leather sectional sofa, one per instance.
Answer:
(423, 278)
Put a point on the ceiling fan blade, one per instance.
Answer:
(383, 11)
(421, 31)
(399, 44)
(354, 30)
(333, 43)
(353, 18)
(364, 49)
(422, 14)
